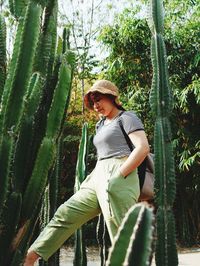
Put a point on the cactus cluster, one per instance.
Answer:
(161, 105)
(35, 91)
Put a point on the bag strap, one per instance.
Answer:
(142, 166)
(129, 142)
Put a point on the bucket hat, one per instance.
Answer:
(103, 86)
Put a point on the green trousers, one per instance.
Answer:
(104, 190)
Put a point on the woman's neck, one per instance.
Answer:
(114, 113)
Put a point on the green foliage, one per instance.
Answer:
(128, 63)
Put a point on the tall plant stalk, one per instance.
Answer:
(161, 105)
(80, 258)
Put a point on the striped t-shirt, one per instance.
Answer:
(109, 139)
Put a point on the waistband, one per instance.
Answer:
(113, 157)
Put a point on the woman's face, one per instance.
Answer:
(101, 103)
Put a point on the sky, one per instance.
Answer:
(104, 13)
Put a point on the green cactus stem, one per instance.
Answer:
(35, 96)
(22, 151)
(38, 180)
(103, 239)
(44, 59)
(160, 78)
(3, 59)
(62, 93)
(132, 244)
(10, 76)
(17, 7)
(161, 104)
(18, 77)
(22, 73)
(82, 157)
(80, 257)
(5, 157)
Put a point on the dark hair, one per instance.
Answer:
(109, 96)
(113, 99)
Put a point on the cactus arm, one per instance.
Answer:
(81, 162)
(166, 243)
(161, 104)
(80, 251)
(139, 250)
(28, 44)
(164, 163)
(5, 157)
(38, 180)
(135, 233)
(11, 74)
(54, 180)
(118, 250)
(47, 41)
(155, 17)
(11, 6)
(22, 149)
(2, 54)
(62, 92)
(18, 7)
(160, 79)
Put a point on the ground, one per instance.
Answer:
(187, 257)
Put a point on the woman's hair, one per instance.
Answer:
(112, 98)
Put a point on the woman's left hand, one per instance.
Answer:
(139, 153)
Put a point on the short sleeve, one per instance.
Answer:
(131, 122)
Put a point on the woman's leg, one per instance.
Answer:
(116, 194)
(80, 208)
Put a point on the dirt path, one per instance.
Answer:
(188, 257)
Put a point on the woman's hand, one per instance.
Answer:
(31, 258)
(139, 153)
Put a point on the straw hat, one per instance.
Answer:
(102, 86)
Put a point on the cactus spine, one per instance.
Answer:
(132, 244)
(161, 104)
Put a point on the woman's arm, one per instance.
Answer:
(140, 151)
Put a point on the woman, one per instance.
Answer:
(112, 187)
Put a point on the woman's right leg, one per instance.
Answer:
(80, 208)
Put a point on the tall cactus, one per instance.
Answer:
(80, 258)
(161, 104)
(132, 244)
(33, 106)
(15, 87)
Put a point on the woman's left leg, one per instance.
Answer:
(115, 193)
(77, 210)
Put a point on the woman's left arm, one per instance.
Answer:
(140, 151)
